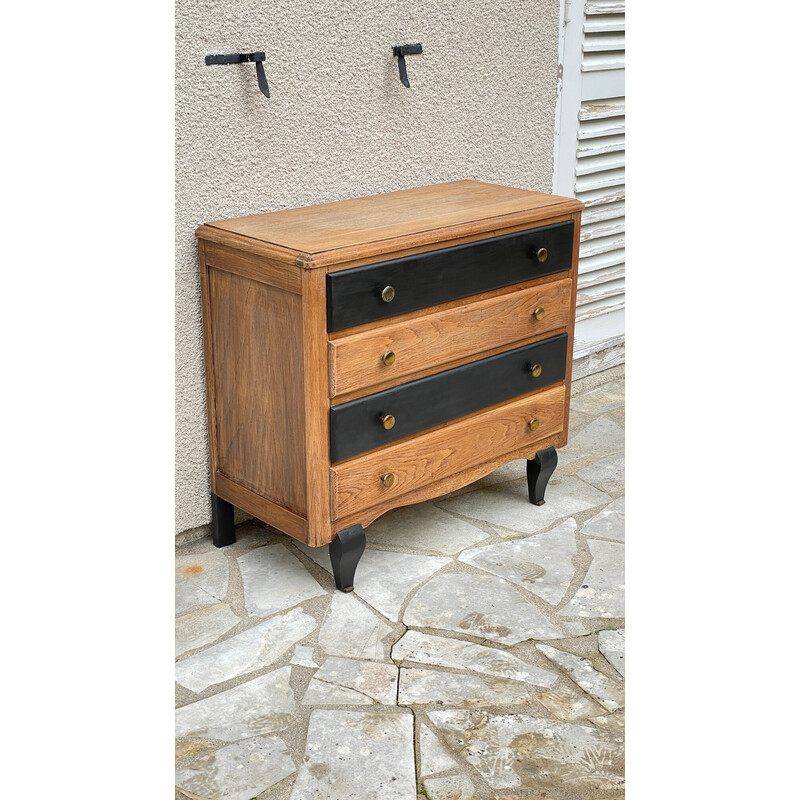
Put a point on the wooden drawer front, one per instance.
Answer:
(433, 456)
(357, 361)
(357, 427)
(427, 279)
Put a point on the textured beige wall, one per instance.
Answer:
(340, 124)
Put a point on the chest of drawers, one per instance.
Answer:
(371, 353)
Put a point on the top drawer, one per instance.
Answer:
(379, 291)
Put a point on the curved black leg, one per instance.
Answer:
(345, 551)
(539, 471)
(222, 532)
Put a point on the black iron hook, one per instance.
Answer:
(245, 58)
(401, 51)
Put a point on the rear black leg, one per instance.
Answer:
(539, 471)
(222, 532)
(345, 551)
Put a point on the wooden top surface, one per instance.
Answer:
(331, 233)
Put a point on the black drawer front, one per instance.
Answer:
(356, 426)
(354, 295)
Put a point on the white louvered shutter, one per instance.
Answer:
(590, 164)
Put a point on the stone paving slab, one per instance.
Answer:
(478, 636)
(351, 755)
(237, 771)
(519, 750)
(200, 580)
(274, 580)
(245, 652)
(508, 507)
(260, 706)
(480, 605)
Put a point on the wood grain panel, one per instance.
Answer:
(249, 265)
(431, 457)
(316, 418)
(262, 508)
(256, 332)
(341, 231)
(439, 338)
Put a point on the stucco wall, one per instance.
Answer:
(340, 124)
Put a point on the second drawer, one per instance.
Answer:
(392, 414)
(396, 350)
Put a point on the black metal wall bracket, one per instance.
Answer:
(244, 58)
(401, 51)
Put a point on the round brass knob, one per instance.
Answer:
(538, 313)
(387, 420)
(533, 424)
(388, 358)
(387, 295)
(541, 255)
(536, 370)
(388, 480)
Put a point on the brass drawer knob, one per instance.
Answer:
(387, 295)
(533, 424)
(387, 420)
(536, 370)
(541, 255)
(388, 358)
(538, 314)
(388, 480)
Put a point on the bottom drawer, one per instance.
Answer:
(363, 482)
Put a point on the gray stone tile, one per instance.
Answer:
(480, 605)
(246, 652)
(531, 753)
(608, 693)
(508, 505)
(256, 708)
(429, 687)
(608, 523)
(274, 580)
(303, 656)
(425, 527)
(357, 755)
(567, 703)
(541, 564)
(597, 401)
(612, 646)
(434, 757)
(451, 787)
(203, 626)
(353, 630)
(366, 681)
(422, 648)
(237, 771)
(384, 579)
(601, 437)
(604, 592)
(607, 474)
(200, 580)
(612, 722)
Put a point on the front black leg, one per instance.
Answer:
(222, 532)
(539, 471)
(345, 551)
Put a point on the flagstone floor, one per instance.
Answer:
(481, 654)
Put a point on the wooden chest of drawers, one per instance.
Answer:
(371, 353)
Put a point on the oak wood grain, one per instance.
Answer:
(430, 457)
(571, 325)
(281, 518)
(257, 267)
(316, 418)
(345, 230)
(258, 384)
(208, 353)
(438, 338)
